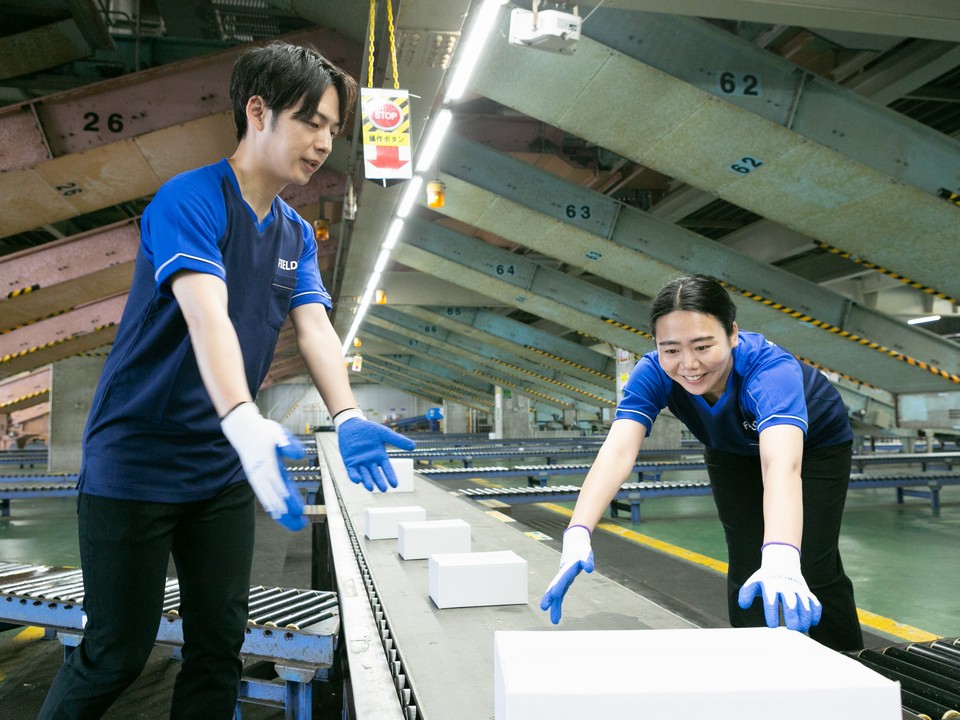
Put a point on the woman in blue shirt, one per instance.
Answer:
(777, 448)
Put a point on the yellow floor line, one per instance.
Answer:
(29, 633)
(871, 620)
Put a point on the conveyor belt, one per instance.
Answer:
(296, 630)
(23, 458)
(947, 459)
(19, 487)
(541, 473)
(468, 456)
(928, 673)
(634, 493)
(630, 494)
(284, 625)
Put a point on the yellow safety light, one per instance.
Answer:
(321, 229)
(357, 342)
(436, 193)
(381, 297)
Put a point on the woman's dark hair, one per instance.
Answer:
(696, 293)
(282, 74)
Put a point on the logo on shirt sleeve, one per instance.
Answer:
(287, 264)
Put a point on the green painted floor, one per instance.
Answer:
(903, 561)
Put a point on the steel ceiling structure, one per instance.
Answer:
(844, 113)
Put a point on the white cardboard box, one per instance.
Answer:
(403, 468)
(721, 674)
(476, 579)
(381, 523)
(419, 540)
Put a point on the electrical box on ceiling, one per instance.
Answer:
(551, 30)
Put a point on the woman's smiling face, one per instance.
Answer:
(696, 352)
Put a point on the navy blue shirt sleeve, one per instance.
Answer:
(182, 226)
(645, 393)
(773, 387)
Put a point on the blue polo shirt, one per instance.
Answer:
(152, 433)
(766, 387)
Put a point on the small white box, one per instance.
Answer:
(381, 523)
(403, 468)
(476, 579)
(722, 674)
(419, 540)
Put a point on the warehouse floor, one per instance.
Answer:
(903, 563)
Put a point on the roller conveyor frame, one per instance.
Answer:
(634, 493)
(296, 630)
(928, 674)
(19, 487)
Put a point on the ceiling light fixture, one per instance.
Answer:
(467, 59)
(438, 130)
(922, 320)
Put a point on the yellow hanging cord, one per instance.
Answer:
(371, 24)
(393, 45)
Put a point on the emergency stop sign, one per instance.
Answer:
(387, 116)
(386, 134)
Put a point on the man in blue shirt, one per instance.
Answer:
(175, 449)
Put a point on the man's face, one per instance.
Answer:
(297, 148)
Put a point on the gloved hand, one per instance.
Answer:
(363, 452)
(779, 581)
(577, 555)
(262, 445)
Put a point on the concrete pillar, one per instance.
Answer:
(454, 417)
(517, 415)
(497, 413)
(625, 364)
(72, 384)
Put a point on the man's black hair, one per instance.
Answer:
(283, 74)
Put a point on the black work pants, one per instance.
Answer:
(738, 492)
(125, 548)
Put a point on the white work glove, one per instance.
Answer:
(262, 445)
(779, 581)
(577, 555)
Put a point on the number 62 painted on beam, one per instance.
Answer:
(745, 165)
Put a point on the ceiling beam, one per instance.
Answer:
(636, 250)
(932, 19)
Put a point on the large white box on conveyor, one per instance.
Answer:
(420, 540)
(477, 579)
(403, 469)
(721, 674)
(382, 523)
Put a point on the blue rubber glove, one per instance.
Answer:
(577, 555)
(262, 445)
(780, 583)
(362, 449)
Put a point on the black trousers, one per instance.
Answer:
(738, 492)
(125, 548)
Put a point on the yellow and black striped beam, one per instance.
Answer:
(24, 398)
(578, 366)
(946, 375)
(22, 291)
(565, 386)
(852, 379)
(628, 328)
(883, 271)
(53, 343)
